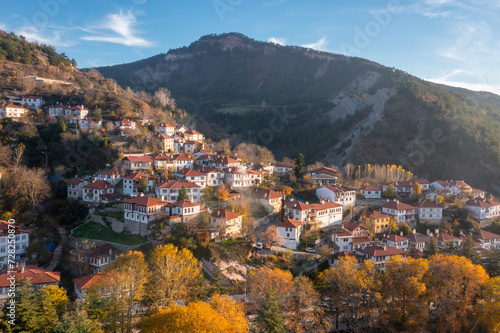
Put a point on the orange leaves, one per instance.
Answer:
(221, 315)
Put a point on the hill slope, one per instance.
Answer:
(331, 107)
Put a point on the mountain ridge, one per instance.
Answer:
(339, 109)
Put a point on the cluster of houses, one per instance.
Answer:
(352, 239)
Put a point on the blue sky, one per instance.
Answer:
(446, 41)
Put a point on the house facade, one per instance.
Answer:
(290, 231)
(100, 191)
(401, 212)
(141, 212)
(342, 195)
(170, 190)
(228, 223)
(75, 188)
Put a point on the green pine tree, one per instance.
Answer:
(469, 250)
(271, 314)
(432, 248)
(183, 194)
(300, 163)
(493, 264)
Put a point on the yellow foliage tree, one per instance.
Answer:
(403, 290)
(452, 283)
(353, 292)
(286, 189)
(488, 310)
(221, 315)
(173, 274)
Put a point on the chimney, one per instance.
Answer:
(22, 264)
(384, 247)
(401, 233)
(414, 231)
(110, 251)
(428, 232)
(436, 231)
(322, 201)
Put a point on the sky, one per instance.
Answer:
(445, 41)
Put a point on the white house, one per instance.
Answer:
(482, 209)
(189, 147)
(215, 177)
(242, 177)
(290, 231)
(166, 129)
(90, 124)
(223, 162)
(270, 199)
(134, 163)
(161, 161)
(110, 175)
(75, 188)
(450, 187)
(193, 176)
(342, 195)
(327, 213)
(429, 212)
(396, 241)
(100, 191)
(166, 142)
(97, 256)
(186, 209)
(32, 102)
(380, 255)
(486, 239)
(401, 211)
(126, 125)
(170, 190)
(282, 168)
(181, 162)
(228, 223)
(12, 111)
(12, 235)
(133, 182)
(141, 211)
(372, 191)
(323, 176)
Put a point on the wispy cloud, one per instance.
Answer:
(276, 40)
(123, 25)
(475, 81)
(46, 35)
(318, 45)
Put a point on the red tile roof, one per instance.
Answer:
(376, 215)
(225, 160)
(109, 172)
(478, 202)
(190, 172)
(396, 205)
(4, 228)
(143, 159)
(325, 205)
(146, 201)
(261, 193)
(372, 188)
(481, 234)
(185, 203)
(137, 176)
(86, 281)
(395, 238)
(323, 169)
(351, 226)
(100, 185)
(177, 184)
(297, 205)
(37, 275)
(283, 165)
(381, 251)
(339, 188)
(75, 181)
(288, 223)
(225, 214)
(428, 204)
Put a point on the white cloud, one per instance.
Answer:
(471, 86)
(47, 36)
(122, 24)
(276, 40)
(458, 78)
(319, 45)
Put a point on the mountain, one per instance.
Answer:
(330, 107)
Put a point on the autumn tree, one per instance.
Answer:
(221, 314)
(403, 292)
(417, 190)
(76, 322)
(173, 273)
(493, 263)
(352, 292)
(453, 283)
(287, 190)
(221, 192)
(5, 156)
(270, 314)
(271, 235)
(487, 311)
(303, 307)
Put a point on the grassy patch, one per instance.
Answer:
(234, 110)
(97, 231)
(259, 211)
(113, 214)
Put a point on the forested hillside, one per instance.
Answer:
(333, 108)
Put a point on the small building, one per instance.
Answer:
(482, 209)
(90, 124)
(342, 195)
(81, 284)
(112, 176)
(136, 163)
(141, 212)
(323, 176)
(166, 142)
(38, 277)
(290, 230)
(18, 234)
(429, 212)
(193, 176)
(166, 129)
(228, 223)
(372, 191)
(215, 177)
(418, 241)
(100, 191)
(182, 162)
(169, 190)
(32, 102)
(396, 241)
(487, 240)
(223, 162)
(95, 257)
(380, 222)
(186, 209)
(270, 199)
(12, 111)
(242, 177)
(282, 168)
(75, 188)
(380, 255)
(400, 211)
(133, 182)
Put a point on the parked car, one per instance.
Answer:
(310, 249)
(258, 246)
(266, 247)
